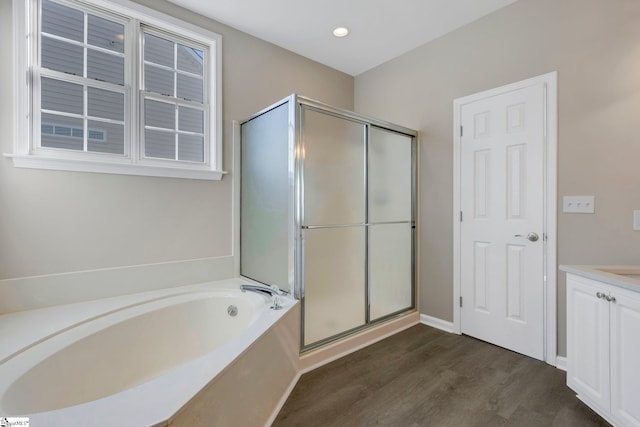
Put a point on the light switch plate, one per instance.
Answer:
(578, 204)
(636, 220)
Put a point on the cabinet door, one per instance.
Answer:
(588, 342)
(625, 358)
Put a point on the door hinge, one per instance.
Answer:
(460, 216)
(460, 301)
(461, 131)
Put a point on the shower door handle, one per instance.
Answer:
(316, 227)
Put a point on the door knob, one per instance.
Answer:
(533, 237)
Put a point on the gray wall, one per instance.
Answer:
(53, 221)
(595, 47)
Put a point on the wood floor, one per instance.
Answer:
(426, 377)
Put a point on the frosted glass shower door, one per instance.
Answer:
(265, 200)
(334, 169)
(390, 215)
(334, 277)
(334, 230)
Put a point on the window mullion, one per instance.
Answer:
(175, 94)
(177, 139)
(85, 120)
(85, 88)
(72, 78)
(133, 67)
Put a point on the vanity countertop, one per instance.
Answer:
(623, 276)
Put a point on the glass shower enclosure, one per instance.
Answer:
(327, 211)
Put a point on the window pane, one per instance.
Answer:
(61, 56)
(159, 114)
(190, 59)
(191, 148)
(61, 96)
(159, 144)
(61, 132)
(105, 137)
(158, 80)
(105, 104)
(105, 67)
(158, 50)
(105, 34)
(190, 120)
(62, 21)
(190, 88)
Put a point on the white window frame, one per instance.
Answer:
(27, 152)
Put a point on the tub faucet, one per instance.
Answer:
(270, 290)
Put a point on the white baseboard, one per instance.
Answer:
(28, 293)
(434, 322)
(334, 351)
(561, 363)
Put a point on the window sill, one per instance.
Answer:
(36, 162)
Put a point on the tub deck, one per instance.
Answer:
(156, 397)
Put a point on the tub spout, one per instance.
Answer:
(265, 289)
(272, 291)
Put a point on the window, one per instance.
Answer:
(116, 88)
(174, 102)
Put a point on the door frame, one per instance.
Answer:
(550, 82)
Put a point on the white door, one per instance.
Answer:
(502, 228)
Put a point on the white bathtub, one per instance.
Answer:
(131, 360)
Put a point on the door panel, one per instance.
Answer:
(588, 343)
(334, 277)
(264, 209)
(516, 157)
(502, 199)
(334, 169)
(480, 270)
(625, 354)
(389, 176)
(337, 161)
(390, 200)
(390, 269)
(516, 283)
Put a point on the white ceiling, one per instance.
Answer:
(380, 29)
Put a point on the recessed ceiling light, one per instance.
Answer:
(341, 32)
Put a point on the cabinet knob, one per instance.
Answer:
(609, 297)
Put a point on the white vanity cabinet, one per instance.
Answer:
(624, 340)
(603, 346)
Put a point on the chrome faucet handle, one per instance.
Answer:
(279, 291)
(276, 303)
